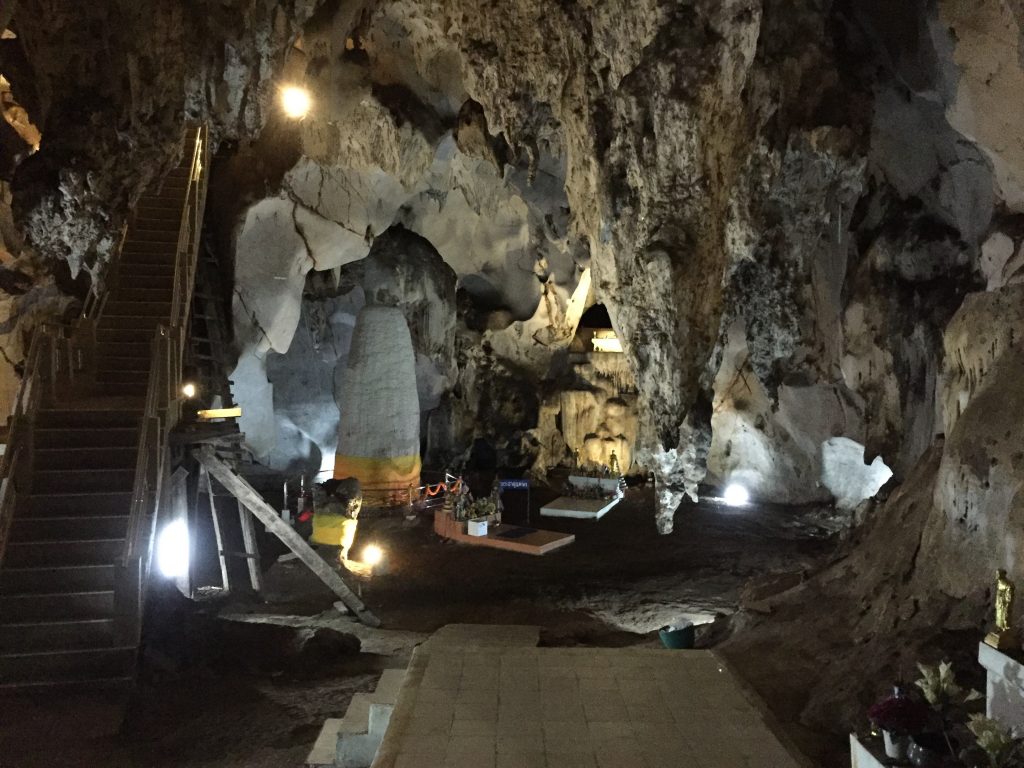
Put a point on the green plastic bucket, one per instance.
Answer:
(677, 637)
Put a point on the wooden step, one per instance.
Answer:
(63, 665)
(60, 578)
(138, 256)
(140, 325)
(118, 687)
(144, 223)
(60, 552)
(161, 293)
(81, 457)
(63, 418)
(119, 334)
(148, 275)
(125, 349)
(101, 503)
(75, 527)
(156, 210)
(65, 481)
(122, 363)
(135, 246)
(30, 636)
(81, 438)
(162, 281)
(126, 388)
(169, 219)
(173, 184)
(118, 307)
(56, 606)
(159, 236)
(138, 378)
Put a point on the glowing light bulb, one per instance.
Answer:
(372, 555)
(188, 389)
(172, 549)
(295, 101)
(735, 495)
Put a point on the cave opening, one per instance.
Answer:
(418, 384)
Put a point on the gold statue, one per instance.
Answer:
(1004, 601)
(613, 463)
(1005, 636)
(576, 457)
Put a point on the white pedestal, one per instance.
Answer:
(861, 756)
(1004, 694)
(585, 509)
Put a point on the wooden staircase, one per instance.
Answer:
(82, 472)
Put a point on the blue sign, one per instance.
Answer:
(516, 484)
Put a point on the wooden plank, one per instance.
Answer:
(252, 552)
(537, 542)
(269, 516)
(225, 582)
(178, 510)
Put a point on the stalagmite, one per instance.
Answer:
(379, 432)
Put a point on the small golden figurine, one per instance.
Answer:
(613, 463)
(576, 457)
(1005, 636)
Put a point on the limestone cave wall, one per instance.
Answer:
(805, 218)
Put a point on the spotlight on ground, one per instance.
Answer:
(172, 549)
(735, 495)
(295, 101)
(372, 555)
(188, 390)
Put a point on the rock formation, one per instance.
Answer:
(379, 432)
(805, 219)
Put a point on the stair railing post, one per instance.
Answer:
(127, 602)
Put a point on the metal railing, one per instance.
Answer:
(96, 299)
(56, 357)
(162, 405)
(48, 364)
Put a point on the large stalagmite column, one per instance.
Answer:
(379, 433)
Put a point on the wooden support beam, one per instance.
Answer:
(251, 554)
(250, 498)
(204, 477)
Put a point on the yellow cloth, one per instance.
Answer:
(332, 527)
(375, 474)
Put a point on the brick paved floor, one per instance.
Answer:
(490, 704)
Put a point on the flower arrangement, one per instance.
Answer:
(998, 744)
(590, 469)
(899, 715)
(589, 492)
(945, 725)
(481, 508)
(940, 688)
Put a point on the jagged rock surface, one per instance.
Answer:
(806, 221)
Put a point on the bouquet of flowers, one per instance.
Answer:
(899, 715)
(481, 508)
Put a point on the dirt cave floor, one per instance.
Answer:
(219, 700)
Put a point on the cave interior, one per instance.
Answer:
(386, 382)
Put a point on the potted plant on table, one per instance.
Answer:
(898, 717)
(479, 515)
(952, 703)
(998, 747)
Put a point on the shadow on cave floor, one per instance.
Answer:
(615, 586)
